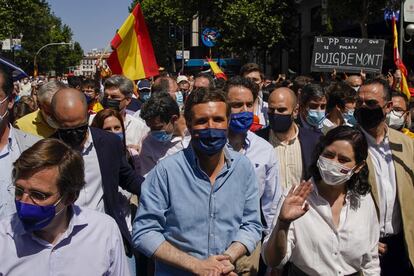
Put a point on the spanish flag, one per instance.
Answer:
(133, 55)
(398, 62)
(216, 69)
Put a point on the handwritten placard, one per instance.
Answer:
(347, 54)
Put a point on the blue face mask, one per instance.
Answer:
(89, 99)
(349, 117)
(144, 96)
(241, 122)
(315, 117)
(120, 135)
(35, 217)
(209, 140)
(161, 135)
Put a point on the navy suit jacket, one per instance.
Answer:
(115, 171)
(308, 140)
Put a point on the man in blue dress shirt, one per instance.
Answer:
(199, 209)
(48, 234)
(241, 95)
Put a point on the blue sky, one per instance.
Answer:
(93, 22)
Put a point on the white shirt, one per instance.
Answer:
(390, 212)
(317, 247)
(91, 195)
(8, 154)
(261, 110)
(135, 130)
(266, 166)
(152, 151)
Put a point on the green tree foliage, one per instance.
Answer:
(38, 26)
(244, 24)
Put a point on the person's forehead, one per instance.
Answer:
(371, 91)
(280, 97)
(209, 108)
(318, 100)
(238, 92)
(43, 180)
(253, 74)
(399, 102)
(341, 147)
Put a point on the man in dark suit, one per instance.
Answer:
(105, 161)
(293, 144)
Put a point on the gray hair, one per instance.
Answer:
(124, 84)
(48, 90)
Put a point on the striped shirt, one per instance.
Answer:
(290, 159)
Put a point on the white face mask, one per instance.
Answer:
(396, 119)
(332, 172)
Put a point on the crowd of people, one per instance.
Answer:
(193, 175)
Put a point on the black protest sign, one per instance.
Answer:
(347, 54)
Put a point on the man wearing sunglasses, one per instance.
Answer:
(391, 164)
(12, 142)
(106, 166)
(49, 235)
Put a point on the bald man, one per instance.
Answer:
(106, 166)
(293, 145)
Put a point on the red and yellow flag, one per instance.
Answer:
(133, 55)
(398, 62)
(216, 69)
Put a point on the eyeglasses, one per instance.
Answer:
(36, 196)
(369, 103)
(398, 113)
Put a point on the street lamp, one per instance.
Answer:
(41, 48)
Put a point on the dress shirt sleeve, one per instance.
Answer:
(272, 192)
(250, 231)
(149, 223)
(146, 161)
(370, 261)
(118, 262)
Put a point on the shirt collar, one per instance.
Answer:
(372, 141)
(194, 159)
(275, 141)
(88, 143)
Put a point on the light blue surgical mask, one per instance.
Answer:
(349, 117)
(315, 117)
(161, 135)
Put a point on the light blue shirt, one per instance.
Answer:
(266, 166)
(8, 155)
(178, 204)
(92, 245)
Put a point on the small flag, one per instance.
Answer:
(17, 72)
(216, 69)
(133, 55)
(398, 62)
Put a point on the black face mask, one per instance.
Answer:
(369, 118)
(280, 122)
(73, 136)
(111, 104)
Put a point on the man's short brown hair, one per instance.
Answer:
(204, 95)
(49, 153)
